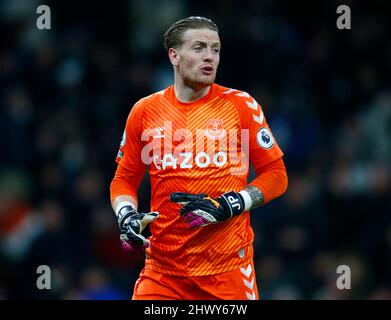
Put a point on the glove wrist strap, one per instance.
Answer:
(247, 200)
(123, 204)
(124, 212)
(235, 202)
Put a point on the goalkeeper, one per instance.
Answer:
(196, 138)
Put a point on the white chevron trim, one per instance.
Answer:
(249, 285)
(259, 118)
(250, 296)
(229, 91)
(247, 272)
(243, 94)
(253, 105)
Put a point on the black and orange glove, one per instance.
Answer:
(200, 210)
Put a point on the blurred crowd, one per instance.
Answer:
(65, 94)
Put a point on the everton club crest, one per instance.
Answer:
(215, 129)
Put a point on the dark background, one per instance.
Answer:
(65, 94)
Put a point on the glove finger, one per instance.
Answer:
(126, 245)
(193, 220)
(191, 206)
(206, 216)
(133, 238)
(194, 206)
(148, 218)
(201, 204)
(188, 217)
(184, 198)
(131, 248)
(132, 226)
(196, 223)
(187, 208)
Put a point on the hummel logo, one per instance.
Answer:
(250, 296)
(246, 272)
(249, 284)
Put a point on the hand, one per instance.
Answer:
(131, 224)
(200, 210)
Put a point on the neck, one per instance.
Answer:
(185, 93)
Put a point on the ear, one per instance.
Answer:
(173, 55)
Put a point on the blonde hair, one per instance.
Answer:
(173, 36)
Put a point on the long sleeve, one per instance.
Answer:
(271, 180)
(130, 168)
(264, 152)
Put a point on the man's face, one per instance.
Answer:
(199, 57)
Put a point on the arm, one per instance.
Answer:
(127, 178)
(270, 183)
(123, 187)
(265, 154)
(130, 169)
(200, 210)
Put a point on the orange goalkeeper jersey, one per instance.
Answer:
(200, 147)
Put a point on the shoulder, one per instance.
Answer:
(148, 100)
(238, 97)
(139, 108)
(248, 108)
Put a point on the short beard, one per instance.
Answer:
(198, 84)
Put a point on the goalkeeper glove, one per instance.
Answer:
(200, 210)
(131, 224)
